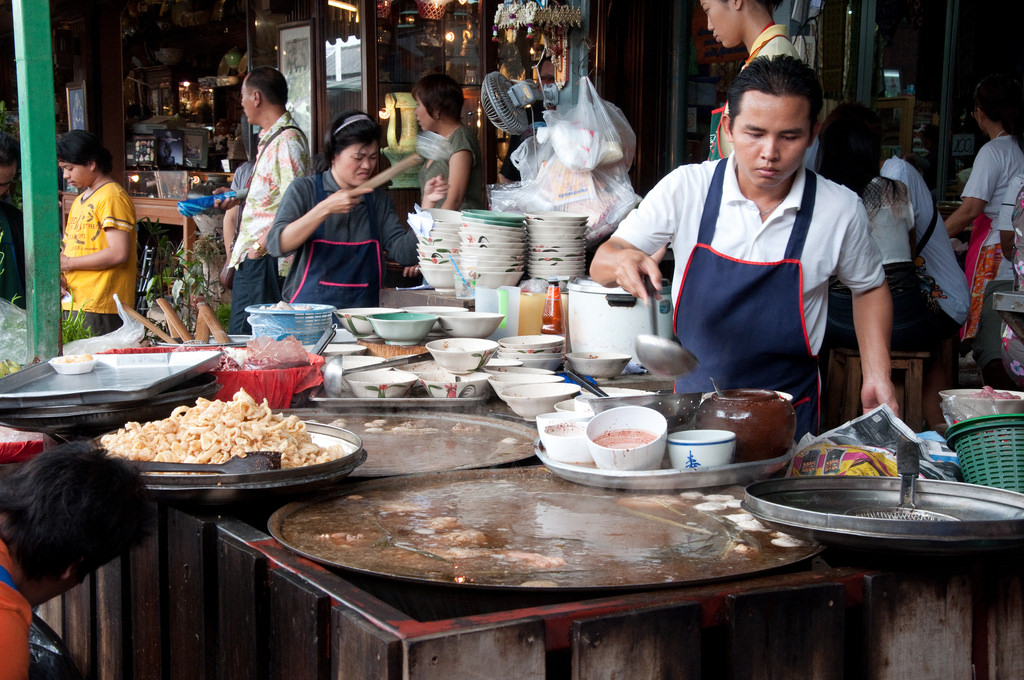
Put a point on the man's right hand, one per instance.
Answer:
(224, 203)
(618, 262)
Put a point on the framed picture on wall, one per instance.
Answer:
(295, 55)
(76, 106)
(196, 148)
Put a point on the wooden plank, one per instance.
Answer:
(1006, 627)
(148, 606)
(52, 614)
(242, 610)
(78, 626)
(918, 626)
(513, 650)
(192, 601)
(112, 636)
(300, 616)
(793, 633)
(653, 642)
(361, 650)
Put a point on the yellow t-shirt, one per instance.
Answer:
(109, 207)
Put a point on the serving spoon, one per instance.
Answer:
(661, 355)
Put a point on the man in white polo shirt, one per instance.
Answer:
(756, 238)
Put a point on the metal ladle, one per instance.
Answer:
(661, 355)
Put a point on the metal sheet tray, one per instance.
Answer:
(736, 473)
(116, 378)
(320, 399)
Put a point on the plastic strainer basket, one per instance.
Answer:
(306, 322)
(990, 450)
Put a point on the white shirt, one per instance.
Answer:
(939, 258)
(997, 162)
(838, 241)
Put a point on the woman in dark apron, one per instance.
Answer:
(338, 232)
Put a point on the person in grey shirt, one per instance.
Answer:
(339, 232)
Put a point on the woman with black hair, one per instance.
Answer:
(339, 232)
(98, 258)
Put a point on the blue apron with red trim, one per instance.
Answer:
(745, 320)
(342, 273)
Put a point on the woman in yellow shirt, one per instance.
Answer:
(99, 257)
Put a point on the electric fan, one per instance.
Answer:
(505, 101)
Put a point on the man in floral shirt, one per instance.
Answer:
(282, 155)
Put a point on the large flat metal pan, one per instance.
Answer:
(525, 528)
(215, 489)
(419, 441)
(117, 377)
(92, 419)
(667, 478)
(814, 508)
(346, 404)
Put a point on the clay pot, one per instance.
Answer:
(763, 421)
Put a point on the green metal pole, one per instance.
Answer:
(36, 118)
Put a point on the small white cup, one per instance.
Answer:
(694, 449)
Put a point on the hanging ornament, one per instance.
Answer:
(383, 9)
(432, 9)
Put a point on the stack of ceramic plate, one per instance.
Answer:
(435, 251)
(556, 244)
(491, 247)
(534, 351)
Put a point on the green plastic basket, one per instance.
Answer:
(990, 450)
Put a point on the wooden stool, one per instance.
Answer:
(842, 393)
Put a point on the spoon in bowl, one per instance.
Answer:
(661, 355)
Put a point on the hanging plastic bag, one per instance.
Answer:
(130, 334)
(587, 135)
(13, 333)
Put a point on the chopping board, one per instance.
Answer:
(525, 528)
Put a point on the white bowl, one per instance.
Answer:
(549, 361)
(564, 436)
(692, 449)
(436, 310)
(529, 401)
(439, 276)
(402, 328)
(384, 383)
(73, 364)
(494, 280)
(529, 344)
(499, 380)
(584, 399)
(470, 324)
(567, 405)
(442, 384)
(598, 364)
(462, 355)
(354, 319)
(517, 368)
(496, 363)
(343, 348)
(358, 361)
(627, 451)
(443, 216)
(556, 216)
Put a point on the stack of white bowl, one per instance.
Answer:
(556, 244)
(435, 251)
(534, 351)
(491, 244)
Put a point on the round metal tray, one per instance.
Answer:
(736, 473)
(524, 528)
(217, 489)
(815, 508)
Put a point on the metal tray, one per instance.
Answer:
(523, 528)
(116, 378)
(235, 341)
(410, 442)
(320, 398)
(737, 473)
(814, 508)
(93, 419)
(217, 489)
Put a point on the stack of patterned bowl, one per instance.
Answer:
(556, 244)
(435, 251)
(491, 247)
(534, 351)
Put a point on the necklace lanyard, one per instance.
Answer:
(5, 577)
